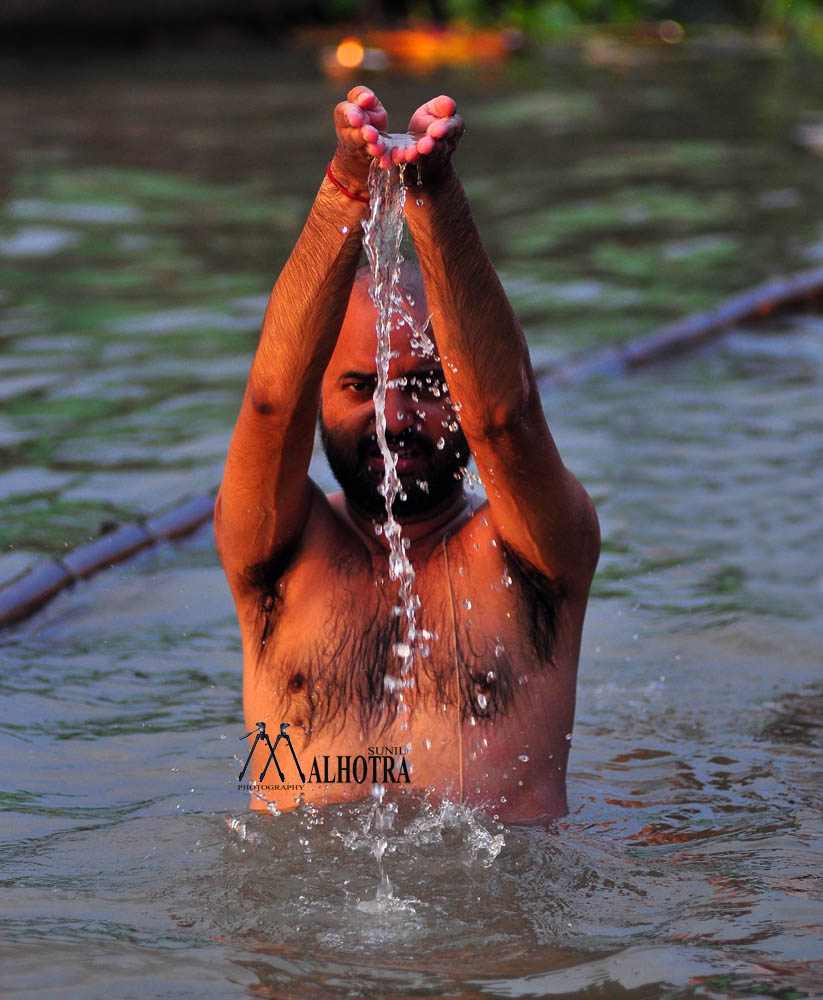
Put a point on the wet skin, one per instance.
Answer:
(512, 703)
(503, 583)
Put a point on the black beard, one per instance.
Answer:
(443, 474)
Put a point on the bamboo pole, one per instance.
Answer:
(690, 332)
(22, 597)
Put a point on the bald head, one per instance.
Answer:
(410, 280)
(410, 277)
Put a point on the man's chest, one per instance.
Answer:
(326, 645)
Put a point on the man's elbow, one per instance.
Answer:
(589, 533)
(506, 416)
(219, 526)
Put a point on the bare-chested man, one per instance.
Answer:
(502, 583)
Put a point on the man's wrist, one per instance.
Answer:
(432, 185)
(351, 185)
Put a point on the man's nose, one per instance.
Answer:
(400, 413)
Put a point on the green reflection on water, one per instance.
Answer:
(144, 221)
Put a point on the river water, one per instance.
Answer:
(147, 205)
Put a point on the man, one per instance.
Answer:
(503, 585)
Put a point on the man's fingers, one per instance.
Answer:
(445, 126)
(361, 95)
(361, 107)
(426, 145)
(362, 112)
(369, 103)
(348, 115)
(354, 116)
(442, 106)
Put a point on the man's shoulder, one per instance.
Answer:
(304, 566)
(326, 530)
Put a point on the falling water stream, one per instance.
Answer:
(383, 235)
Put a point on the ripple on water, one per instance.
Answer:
(38, 241)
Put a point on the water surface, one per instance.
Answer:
(146, 209)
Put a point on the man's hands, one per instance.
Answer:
(434, 131)
(360, 121)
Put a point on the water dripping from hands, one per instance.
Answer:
(383, 232)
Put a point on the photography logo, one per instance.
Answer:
(263, 735)
(383, 764)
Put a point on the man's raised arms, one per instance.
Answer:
(541, 512)
(265, 496)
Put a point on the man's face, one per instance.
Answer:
(421, 428)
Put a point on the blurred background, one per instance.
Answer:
(185, 22)
(629, 161)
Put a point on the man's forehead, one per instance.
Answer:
(357, 343)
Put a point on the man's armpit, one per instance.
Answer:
(264, 579)
(541, 597)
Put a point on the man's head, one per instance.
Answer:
(421, 427)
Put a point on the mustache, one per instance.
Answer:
(408, 440)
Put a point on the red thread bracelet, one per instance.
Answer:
(339, 186)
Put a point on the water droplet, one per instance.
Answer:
(441, 443)
(523, 756)
(467, 604)
(420, 202)
(503, 799)
(569, 737)
(401, 650)
(345, 229)
(482, 700)
(427, 743)
(378, 529)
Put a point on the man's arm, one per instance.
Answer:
(265, 495)
(539, 509)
